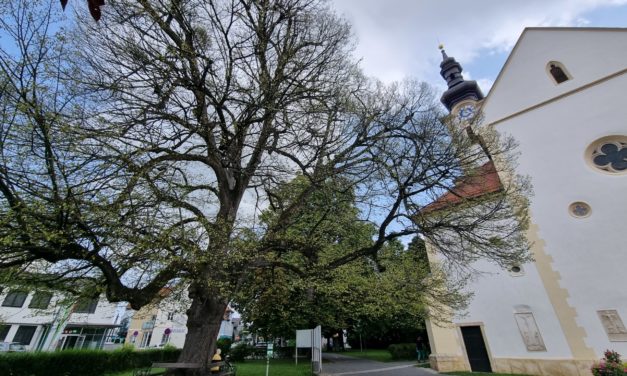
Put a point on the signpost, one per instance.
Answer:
(269, 351)
(311, 338)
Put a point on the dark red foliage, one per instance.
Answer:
(93, 5)
(94, 8)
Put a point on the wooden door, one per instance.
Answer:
(475, 349)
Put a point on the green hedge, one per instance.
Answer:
(241, 352)
(81, 362)
(224, 344)
(403, 351)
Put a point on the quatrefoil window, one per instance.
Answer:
(609, 154)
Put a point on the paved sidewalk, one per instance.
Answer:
(342, 365)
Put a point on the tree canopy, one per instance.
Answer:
(393, 287)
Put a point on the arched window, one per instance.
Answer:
(558, 72)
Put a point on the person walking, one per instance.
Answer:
(421, 352)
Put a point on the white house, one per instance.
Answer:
(165, 323)
(42, 320)
(562, 94)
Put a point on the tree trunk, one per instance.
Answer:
(204, 317)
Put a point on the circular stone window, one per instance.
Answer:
(516, 270)
(608, 154)
(579, 209)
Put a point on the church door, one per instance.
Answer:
(475, 349)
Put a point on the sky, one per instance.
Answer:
(400, 38)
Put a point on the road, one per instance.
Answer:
(342, 365)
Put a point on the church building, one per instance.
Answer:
(562, 95)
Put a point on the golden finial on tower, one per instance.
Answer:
(441, 47)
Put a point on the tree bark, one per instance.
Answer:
(204, 317)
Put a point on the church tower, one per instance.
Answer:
(460, 92)
(462, 99)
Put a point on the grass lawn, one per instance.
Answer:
(378, 355)
(481, 373)
(278, 367)
(258, 368)
(130, 373)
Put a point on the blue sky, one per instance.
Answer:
(399, 38)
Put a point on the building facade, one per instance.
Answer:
(47, 321)
(561, 95)
(165, 323)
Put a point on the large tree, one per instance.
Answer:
(388, 290)
(140, 152)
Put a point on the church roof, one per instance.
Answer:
(485, 180)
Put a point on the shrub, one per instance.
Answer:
(224, 344)
(241, 352)
(284, 352)
(259, 352)
(81, 362)
(610, 365)
(403, 351)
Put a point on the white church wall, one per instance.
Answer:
(587, 55)
(497, 294)
(587, 252)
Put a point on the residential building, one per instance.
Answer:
(561, 96)
(165, 322)
(43, 320)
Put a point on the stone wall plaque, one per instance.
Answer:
(613, 325)
(529, 331)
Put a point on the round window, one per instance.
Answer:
(579, 209)
(608, 154)
(516, 270)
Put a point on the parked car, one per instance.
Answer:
(12, 347)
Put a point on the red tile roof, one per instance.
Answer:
(484, 181)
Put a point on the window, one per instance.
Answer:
(516, 270)
(40, 300)
(558, 72)
(171, 316)
(165, 338)
(24, 334)
(86, 305)
(4, 330)
(15, 298)
(608, 154)
(579, 209)
(146, 337)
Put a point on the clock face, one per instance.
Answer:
(466, 112)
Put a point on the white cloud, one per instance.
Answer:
(485, 84)
(400, 37)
